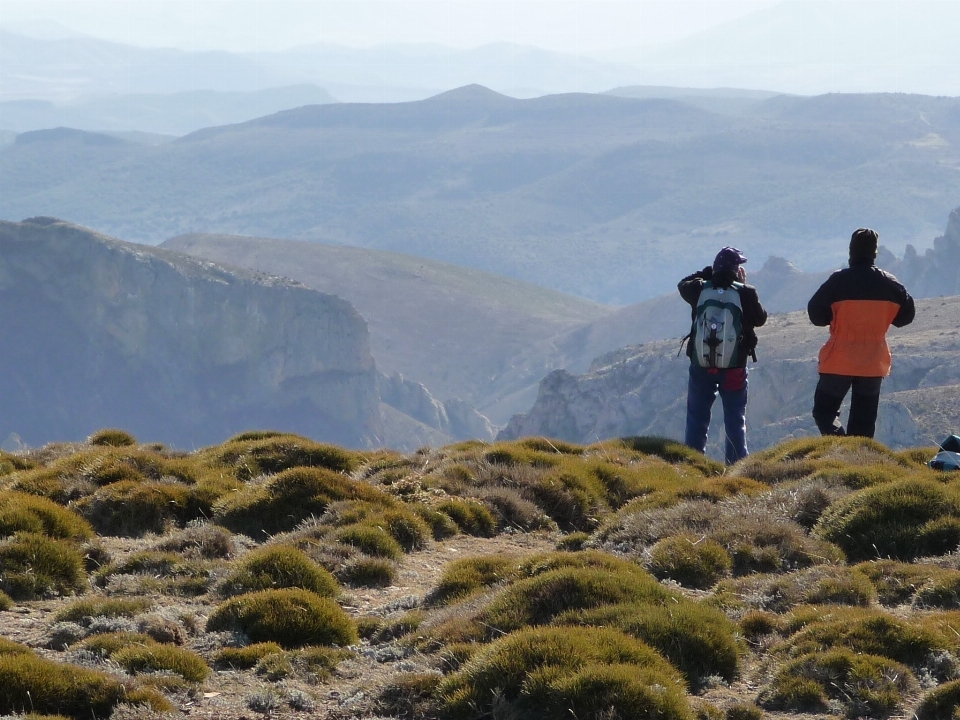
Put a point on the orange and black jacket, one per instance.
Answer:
(859, 303)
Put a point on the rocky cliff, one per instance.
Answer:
(97, 332)
(641, 390)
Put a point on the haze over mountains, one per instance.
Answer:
(604, 197)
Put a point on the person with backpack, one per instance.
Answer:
(859, 303)
(725, 312)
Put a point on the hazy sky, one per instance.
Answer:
(588, 26)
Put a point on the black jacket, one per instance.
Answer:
(753, 313)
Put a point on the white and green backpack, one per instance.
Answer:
(717, 332)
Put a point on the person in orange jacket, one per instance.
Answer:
(859, 303)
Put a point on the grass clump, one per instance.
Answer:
(20, 512)
(539, 599)
(244, 658)
(83, 611)
(942, 591)
(292, 618)
(467, 576)
(864, 685)
(691, 561)
(441, 525)
(111, 437)
(253, 454)
(409, 695)
(573, 542)
(29, 681)
(560, 672)
(6, 602)
(819, 585)
(901, 520)
(34, 566)
(698, 640)
(106, 644)
(897, 582)
(471, 517)
(370, 539)
(368, 572)
(285, 500)
(137, 659)
(279, 566)
(673, 452)
(205, 541)
(131, 508)
(872, 633)
(941, 703)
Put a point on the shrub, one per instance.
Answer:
(901, 520)
(539, 599)
(279, 566)
(873, 633)
(698, 640)
(286, 499)
(673, 452)
(406, 528)
(151, 658)
(370, 539)
(106, 644)
(897, 582)
(6, 602)
(32, 566)
(267, 453)
(408, 695)
(515, 511)
(244, 658)
(573, 542)
(28, 681)
(865, 685)
(756, 623)
(820, 585)
(441, 525)
(692, 562)
(368, 572)
(943, 591)
(20, 512)
(291, 618)
(132, 508)
(466, 576)
(941, 703)
(556, 672)
(112, 437)
(204, 541)
(82, 611)
(471, 517)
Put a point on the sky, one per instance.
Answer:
(596, 27)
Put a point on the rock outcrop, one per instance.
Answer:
(97, 332)
(641, 390)
(937, 271)
(455, 418)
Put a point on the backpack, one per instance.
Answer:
(717, 334)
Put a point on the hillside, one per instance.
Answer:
(451, 328)
(540, 579)
(520, 187)
(176, 113)
(642, 389)
(99, 332)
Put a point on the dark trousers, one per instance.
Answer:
(832, 389)
(702, 388)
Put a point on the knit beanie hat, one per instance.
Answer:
(863, 245)
(728, 260)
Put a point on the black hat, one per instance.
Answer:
(863, 245)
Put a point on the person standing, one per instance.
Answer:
(725, 312)
(859, 303)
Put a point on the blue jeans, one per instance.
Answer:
(702, 389)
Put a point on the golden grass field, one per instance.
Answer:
(275, 576)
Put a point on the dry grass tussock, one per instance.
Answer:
(274, 574)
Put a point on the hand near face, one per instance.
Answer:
(741, 274)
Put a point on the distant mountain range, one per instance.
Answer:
(605, 197)
(167, 114)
